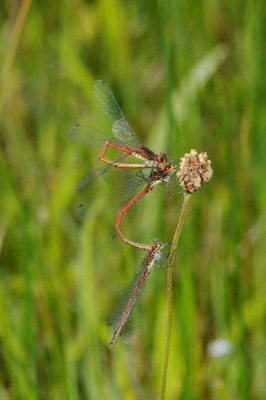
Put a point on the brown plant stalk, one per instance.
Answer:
(195, 169)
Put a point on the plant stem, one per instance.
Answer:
(14, 41)
(170, 271)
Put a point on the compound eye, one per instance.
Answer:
(161, 157)
(155, 245)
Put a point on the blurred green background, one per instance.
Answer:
(187, 75)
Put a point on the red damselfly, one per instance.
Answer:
(152, 168)
(155, 258)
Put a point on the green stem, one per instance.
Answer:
(170, 271)
(15, 37)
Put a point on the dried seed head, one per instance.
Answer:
(195, 168)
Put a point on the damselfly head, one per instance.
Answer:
(158, 256)
(164, 170)
(162, 158)
(170, 167)
(157, 245)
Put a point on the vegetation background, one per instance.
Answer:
(188, 75)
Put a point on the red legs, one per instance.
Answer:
(126, 150)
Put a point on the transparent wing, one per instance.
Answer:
(162, 257)
(117, 315)
(121, 319)
(92, 176)
(173, 186)
(107, 201)
(122, 130)
(106, 171)
(87, 135)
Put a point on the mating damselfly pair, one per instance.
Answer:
(141, 177)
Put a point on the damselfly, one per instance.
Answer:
(155, 257)
(153, 169)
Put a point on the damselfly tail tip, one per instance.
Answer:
(111, 344)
